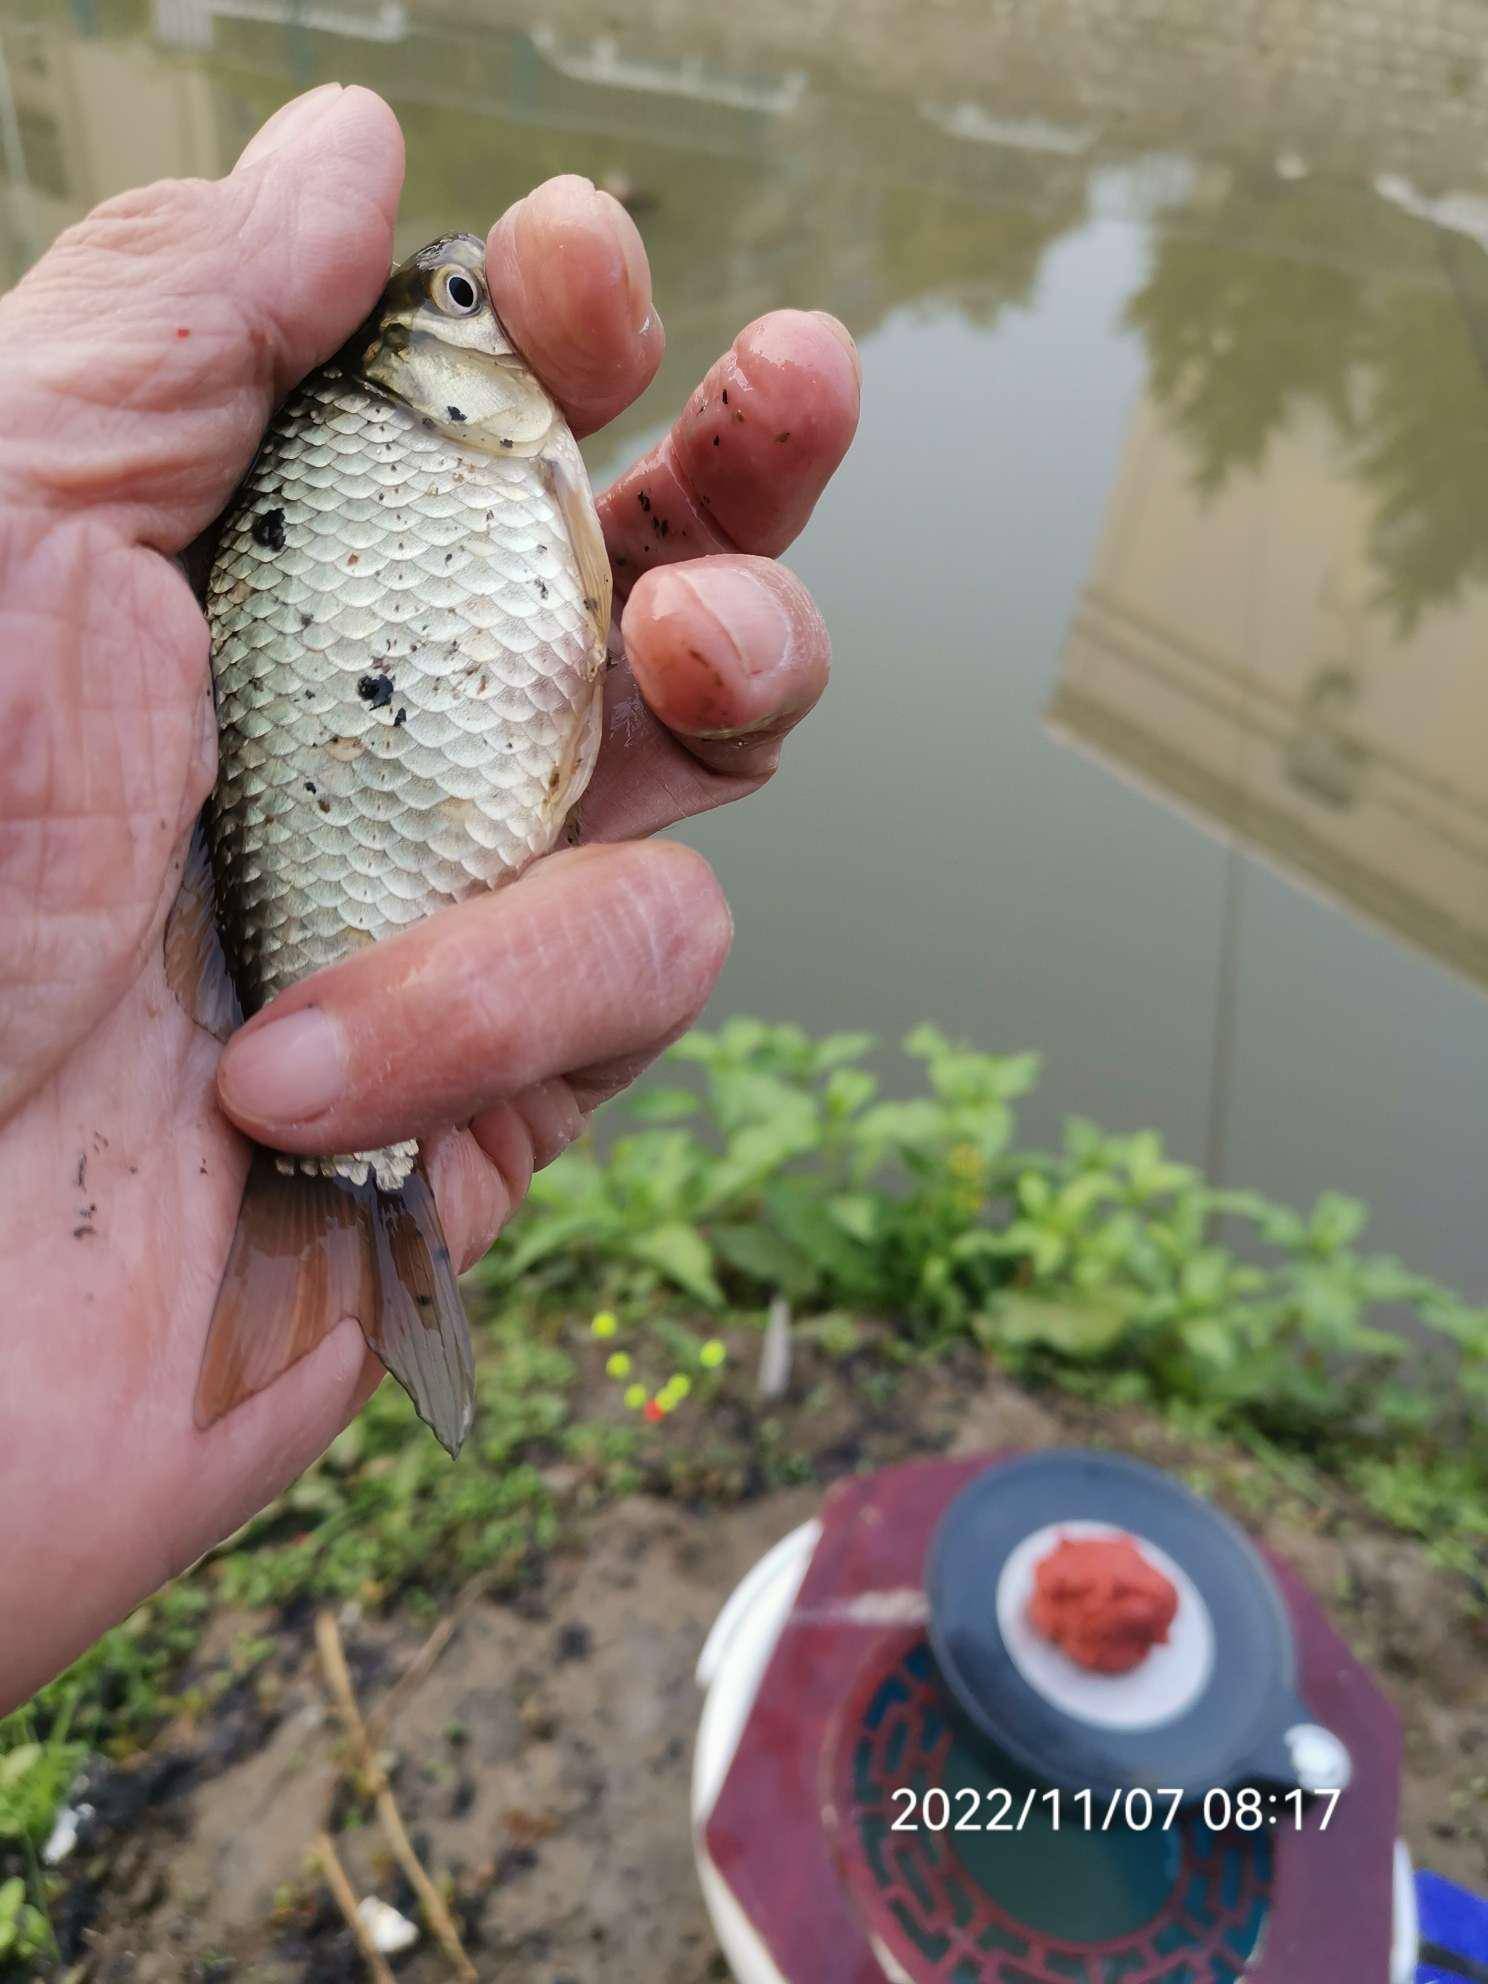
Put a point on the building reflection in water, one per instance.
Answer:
(1286, 627)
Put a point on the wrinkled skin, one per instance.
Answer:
(143, 355)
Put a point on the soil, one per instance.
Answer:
(541, 1762)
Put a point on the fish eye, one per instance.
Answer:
(455, 292)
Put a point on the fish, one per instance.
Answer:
(409, 608)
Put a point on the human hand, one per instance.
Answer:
(144, 354)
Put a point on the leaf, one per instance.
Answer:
(835, 1048)
(540, 1238)
(796, 1209)
(859, 1214)
(1017, 1074)
(1086, 1329)
(18, 1763)
(757, 1153)
(682, 1255)
(1207, 1339)
(848, 1090)
(913, 1125)
(1336, 1222)
(1035, 1193)
(663, 1105)
(766, 1258)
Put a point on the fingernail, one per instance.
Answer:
(636, 264)
(572, 203)
(844, 337)
(289, 123)
(286, 1072)
(714, 671)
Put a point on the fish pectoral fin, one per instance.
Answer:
(419, 1328)
(300, 1261)
(196, 966)
(570, 485)
(575, 767)
(310, 1251)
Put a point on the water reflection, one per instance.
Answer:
(1176, 326)
(1287, 622)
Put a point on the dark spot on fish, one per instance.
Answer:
(85, 1233)
(644, 500)
(309, 695)
(542, 587)
(424, 1301)
(553, 777)
(542, 547)
(784, 436)
(505, 441)
(310, 787)
(590, 605)
(305, 620)
(376, 690)
(201, 1169)
(738, 413)
(621, 558)
(82, 1170)
(354, 558)
(454, 413)
(400, 719)
(716, 441)
(449, 557)
(268, 530)
(725, 395)
(324, 805)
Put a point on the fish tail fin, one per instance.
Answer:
(419, 1326)
(310, 1251)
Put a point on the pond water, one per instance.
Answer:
(1159, 574)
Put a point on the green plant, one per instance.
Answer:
(1102, 1264)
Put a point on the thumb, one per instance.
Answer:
(147, 347)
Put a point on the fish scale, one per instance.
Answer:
(404, 663)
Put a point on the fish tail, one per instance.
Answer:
(310, 1251)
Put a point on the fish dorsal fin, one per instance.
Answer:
(195, 965)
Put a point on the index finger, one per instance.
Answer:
(569, 275)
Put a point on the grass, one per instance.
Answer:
(767, 1163)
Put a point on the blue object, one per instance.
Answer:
(1454, 1933)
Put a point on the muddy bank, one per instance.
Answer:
(542, 1761)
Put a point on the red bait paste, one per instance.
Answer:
(1101, 1603)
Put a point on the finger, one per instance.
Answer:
(595, 953)
(725, 656)
(570, 279)
(744, 463)
(147, 347)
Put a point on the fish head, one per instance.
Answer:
(436, 344)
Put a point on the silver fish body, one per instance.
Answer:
(406, 672)
(408, 606)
